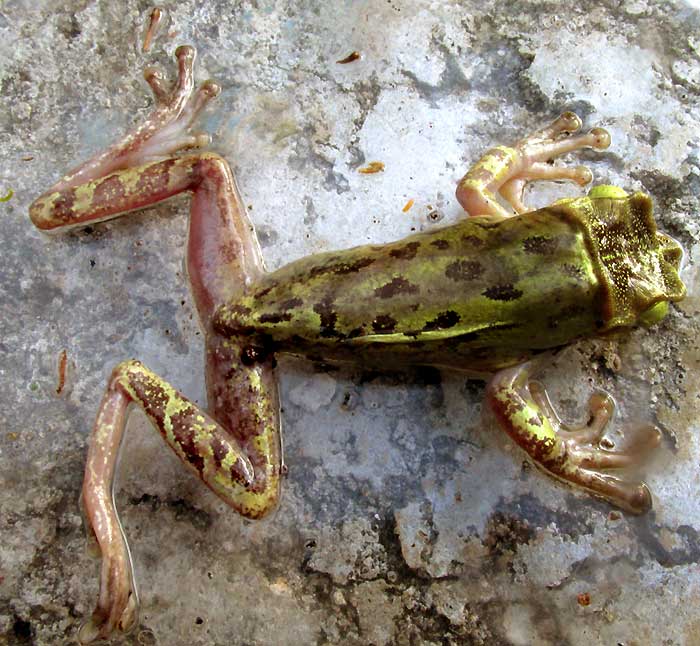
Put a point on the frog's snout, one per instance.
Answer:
(671, 250)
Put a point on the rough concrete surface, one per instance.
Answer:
(407, 518)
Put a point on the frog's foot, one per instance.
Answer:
(581, 456)
(166, 130)
(169, 127)
(538, 150)
(507, 171)
(117, 605)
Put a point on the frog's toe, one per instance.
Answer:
(205, 93)
(157, 82)
(566, 123)
(589, 457)
(168, 129)
(632, 496)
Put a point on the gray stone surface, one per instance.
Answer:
(407, 517)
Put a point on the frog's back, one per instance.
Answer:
(476, 288)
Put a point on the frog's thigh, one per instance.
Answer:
(578, 457)
(246, 476)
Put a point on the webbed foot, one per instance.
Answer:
(117, 605)
(168, 129)
(579, 455)
(507, 170)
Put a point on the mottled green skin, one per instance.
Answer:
(481, 295)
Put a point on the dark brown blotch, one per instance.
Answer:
(443, 321)
(329, 318)
(238, 310)
(341, 268)
(540, 245)
(155, 177)
(462, 270)
(290, 304)
(265, 291)
(108, 191)
(473, 241)
(252, 354)
(354, 333)
(275, 317)
(183, 431)
(406, 252)
(63, 205)
(384, 323)
(396, 286)
(440, 244)
(502, 293)
(219, 450)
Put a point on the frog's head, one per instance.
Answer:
(637, 265)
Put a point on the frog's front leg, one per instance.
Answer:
(578, 456)
(240, 462)
(504, 170)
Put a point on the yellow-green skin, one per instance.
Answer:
(481, 295)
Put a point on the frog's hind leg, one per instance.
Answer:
(242, 468)
(235, 448)
(505, 171)
(579, 456)
(142, 169)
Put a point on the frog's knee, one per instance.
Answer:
(474, 198)
(212, 166)
(257, 505)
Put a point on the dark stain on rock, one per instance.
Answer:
(502, 293)
(443, 321)
(329, 318)
(440, 244)
(407, 252)
(540, 245)
(384, 323)
(486, 224)
(397, 285)
(462, 270)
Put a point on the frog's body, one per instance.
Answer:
(432, 298)
(484, 295)
(481, 295)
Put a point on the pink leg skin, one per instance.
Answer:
(579, 456)
(505, 171)
(235, 448)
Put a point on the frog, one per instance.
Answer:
(491, 296)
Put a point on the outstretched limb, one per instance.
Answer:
(142, 169)
(579, 456)
(165, 131)
(242, 468)
(506, 171)
(234, 448)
